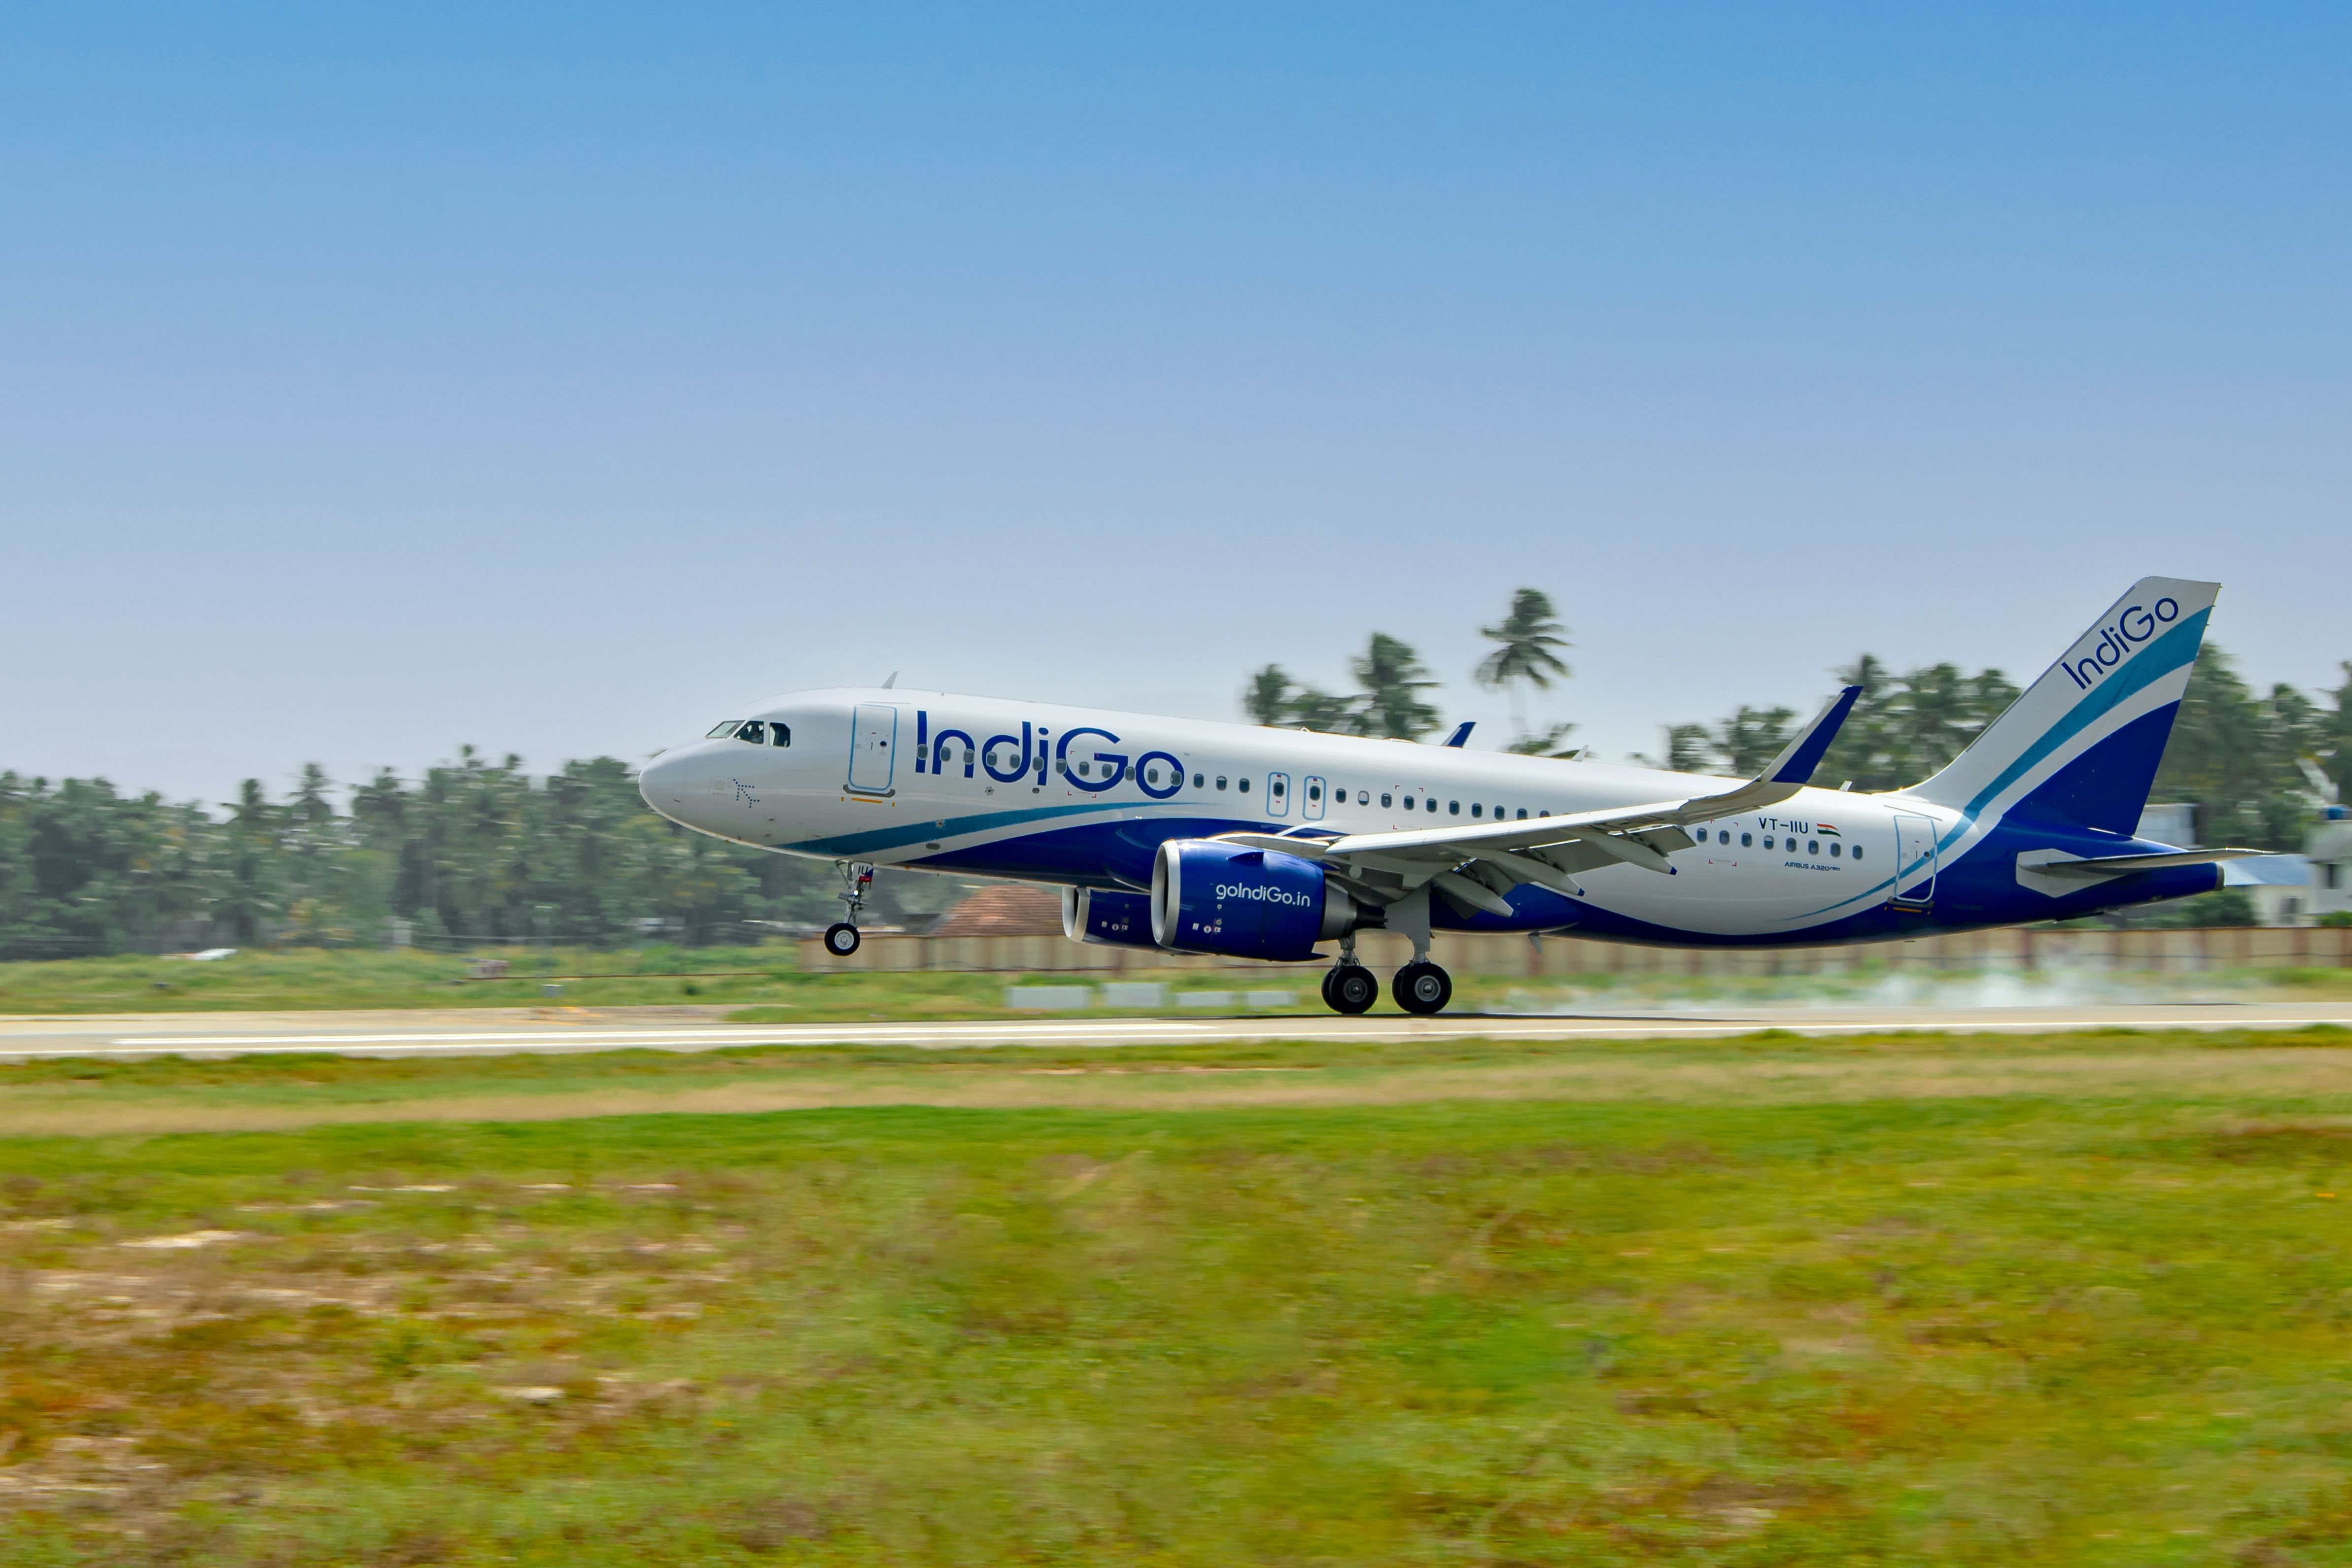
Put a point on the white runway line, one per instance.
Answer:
(28, 1039)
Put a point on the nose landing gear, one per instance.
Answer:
(841, 937)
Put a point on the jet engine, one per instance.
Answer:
(1208, 897)
(1114, 919)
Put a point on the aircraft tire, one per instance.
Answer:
(1350, 989)
(1422, 988)
(841, 939)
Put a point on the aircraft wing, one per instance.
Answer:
(1475, 864)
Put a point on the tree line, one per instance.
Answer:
(473, 852)
(477, 851)
(2256, 764)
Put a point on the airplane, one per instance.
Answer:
(1187, 836)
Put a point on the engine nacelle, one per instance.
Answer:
(1208, 897)
(1114, 919)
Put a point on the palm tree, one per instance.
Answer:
(1553, 742)
(1267, 699)
(1393, 678)
(1310, 707)
(1523, 654)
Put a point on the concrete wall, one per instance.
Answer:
(2016, 948)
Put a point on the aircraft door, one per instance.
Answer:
(1915, 861)
(1277, 794)
(1311, 806)
(873, 736)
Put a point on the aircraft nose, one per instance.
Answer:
(662, 782)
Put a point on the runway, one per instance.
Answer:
(551, 1031)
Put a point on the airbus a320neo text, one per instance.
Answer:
(1192, 837)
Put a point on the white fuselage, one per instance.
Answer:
(931, 780)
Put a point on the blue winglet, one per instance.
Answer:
(1461, 735)
(1796, 765)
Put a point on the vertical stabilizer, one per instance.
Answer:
(2084, 742)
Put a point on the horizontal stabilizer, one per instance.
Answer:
(2124, 865)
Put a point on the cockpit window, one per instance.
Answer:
(779, 733)
(753, 731)
(725, 726)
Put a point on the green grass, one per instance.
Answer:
(764, 978)
(306, 979)
(2107, 1326)
(764, 985)
(99, 1096)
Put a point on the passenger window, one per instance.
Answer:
(1454, 808)
(1834, 850)
(1198, 781)
(1384, 798)
(1242, 785)
(781, 733)
(1430, 804)
(1857, 851)
(1812, 846)
(1768, 840)
(1277, 789)
(1476, 810)
(724, 727)
(1523, 814)
(1746, 840)
(1408, 802)
(1221, 780)
(1314, 792)
(1364, 798)
(753, 731)
(1062, 767)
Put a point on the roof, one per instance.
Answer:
(1008, 909)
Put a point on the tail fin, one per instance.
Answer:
(2084, 742)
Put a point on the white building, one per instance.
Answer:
(2286, 890)
(2329, 847)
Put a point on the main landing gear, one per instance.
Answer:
(1350, 988)
(1421, 986)
(841, 937)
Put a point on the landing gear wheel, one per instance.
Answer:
(841, 939)
(1422, 988)
(1350, 989)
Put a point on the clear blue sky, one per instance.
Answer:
(373, 380)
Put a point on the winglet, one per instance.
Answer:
(1461, 735)
(1797, 762)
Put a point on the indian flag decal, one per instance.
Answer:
(1832, 832)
